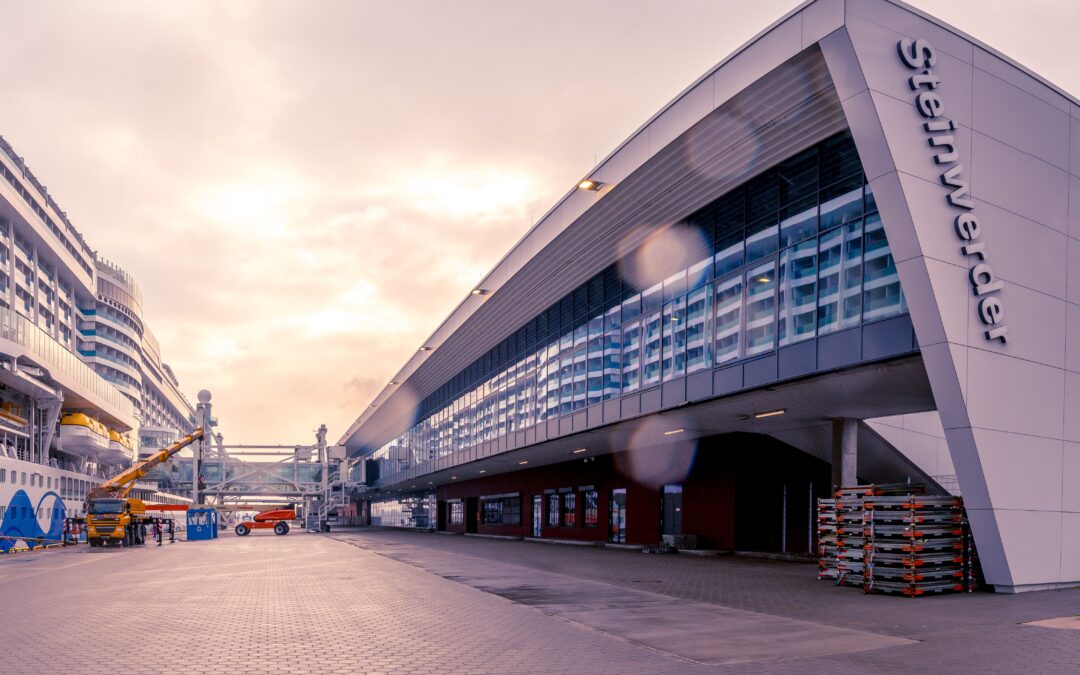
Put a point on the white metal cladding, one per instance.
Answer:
(1006, 408)
(790, 109)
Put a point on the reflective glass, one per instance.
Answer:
(612, 364)
(729, 303)
(674, 343)
(631, 356)
(798, 292)
(762, 240)
(881, 283)
(761, 308)
(698, 329)
(651, 340)
(809, 263)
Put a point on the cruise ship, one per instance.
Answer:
(83, 387)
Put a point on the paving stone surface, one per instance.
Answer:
(975, 633)
(402, 602)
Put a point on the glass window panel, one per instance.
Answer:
(631, 307)
(675, 286)
(800, 225)
(612, 364)
(845, 208)
(566, 383)
(798, 292)
(595, 389)
(651, 339)
(729, 303)
(761, 239)
(700, 273)
(612, 318)
(881, 284)
(851, 275)
(674, 343)
(830, 246)
(580, 378)
(554, 367)
(651, 299)
(631, 356)
(797, 177)
(729, 254)
(698, 333)
(871, 203)
(760, 308)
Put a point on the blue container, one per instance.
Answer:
(202, 524)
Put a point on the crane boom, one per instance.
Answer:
(126, 478)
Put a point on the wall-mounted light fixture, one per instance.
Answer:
(590, 184)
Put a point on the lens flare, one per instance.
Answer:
(649, 457)
(664, 251)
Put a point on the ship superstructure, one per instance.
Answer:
(81, 375)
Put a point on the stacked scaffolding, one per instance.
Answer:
(895, 539)
(827, 539)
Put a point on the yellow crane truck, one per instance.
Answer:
(112, 517)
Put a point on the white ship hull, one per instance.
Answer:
(35, 499)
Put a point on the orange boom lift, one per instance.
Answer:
(276, 519)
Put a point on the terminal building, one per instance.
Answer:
(848, 253)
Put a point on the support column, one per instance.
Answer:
(845, 444)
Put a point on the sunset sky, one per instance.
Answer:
(304, 190)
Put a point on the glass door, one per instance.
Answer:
(617, 533)
(537, 515)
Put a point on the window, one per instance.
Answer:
(3, 475)
(456, 512)
(569, 510)
(797, 252)
(590, 508)
(24, 478)
(501, 510)
(553, 509)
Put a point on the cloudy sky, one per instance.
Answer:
(304, 190)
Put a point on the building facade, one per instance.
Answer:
(842, 255)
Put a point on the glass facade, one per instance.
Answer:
(796, 252)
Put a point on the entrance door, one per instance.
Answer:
(537, 515)
(671, 509)
(472, 506)
(617, 531)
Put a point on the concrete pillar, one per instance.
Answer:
(845, 443)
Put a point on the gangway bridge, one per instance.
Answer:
(318, 476)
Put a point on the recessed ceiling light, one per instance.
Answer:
(429, 482)
(763, 279)
(770, 413)
(524, 461)
(453, 477)
(579, 451)
(673, 432)
(483, 470)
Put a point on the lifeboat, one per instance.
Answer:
(119, 449)
(83, 435)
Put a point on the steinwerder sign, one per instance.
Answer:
(920, 55)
